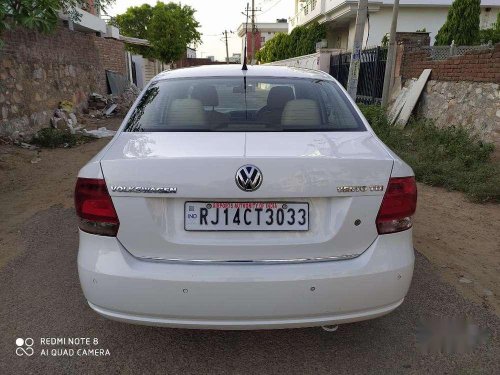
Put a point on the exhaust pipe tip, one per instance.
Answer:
(330, 328)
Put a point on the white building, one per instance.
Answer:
(190, 53)
(236, 58)
(265, 31)
(340, 18)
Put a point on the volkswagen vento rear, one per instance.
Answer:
(253, 199)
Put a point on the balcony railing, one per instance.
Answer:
(311, 9)
(307, 11)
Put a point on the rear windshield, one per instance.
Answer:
(243, 105)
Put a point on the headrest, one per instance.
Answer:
(301, 112)
(206, 94)
(186, 113)
(278, 96)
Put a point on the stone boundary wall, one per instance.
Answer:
(473, 66)
(471, 104)
(38, 71)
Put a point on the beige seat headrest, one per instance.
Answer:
(301, 112)
(186, 113)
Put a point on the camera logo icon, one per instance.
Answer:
(25, 347)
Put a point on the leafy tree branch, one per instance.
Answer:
(42, 15)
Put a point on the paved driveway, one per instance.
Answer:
(41, 297)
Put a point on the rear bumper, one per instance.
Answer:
(245, 296)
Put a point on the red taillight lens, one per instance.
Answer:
(398, 205)
(95, 208)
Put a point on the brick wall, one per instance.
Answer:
(37, 71)
(413, 39)
(111, 54)
(474, 66)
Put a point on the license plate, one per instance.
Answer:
(246, 216)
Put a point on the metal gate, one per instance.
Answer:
(371, 73)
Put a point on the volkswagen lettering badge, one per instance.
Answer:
(248, 178)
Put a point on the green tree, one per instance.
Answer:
(134, 22)
(170, 28)
(492, 34)
(301, 41)
(462, 24)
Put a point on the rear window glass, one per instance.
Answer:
(243, 104)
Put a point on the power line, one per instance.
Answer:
(271, 7)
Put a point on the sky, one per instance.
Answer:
(215, 16)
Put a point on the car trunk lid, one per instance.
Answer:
(337, 173)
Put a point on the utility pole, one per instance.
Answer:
(227, 49)
(391, 55)
(352, 83)
(253, 33)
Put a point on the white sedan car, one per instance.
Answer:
(245, 199)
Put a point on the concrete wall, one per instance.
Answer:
(319, 60)
(311, 61)
(337, 37)
(410, 19)
(38, 71)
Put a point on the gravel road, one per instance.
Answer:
(41, 298)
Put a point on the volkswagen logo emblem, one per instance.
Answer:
(248, 178)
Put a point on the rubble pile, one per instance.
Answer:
(97, 102)
(126, 99)
(64, 118)
(108, 105)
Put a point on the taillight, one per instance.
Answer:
(95, 208)
(398, 205)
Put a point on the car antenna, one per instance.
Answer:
(245, 87)
(244, 67)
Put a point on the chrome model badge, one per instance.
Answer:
(359, 189)
(144, 189)
(248, 178)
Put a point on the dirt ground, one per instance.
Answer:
(461, 238)
(27, 188)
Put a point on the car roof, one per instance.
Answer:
(234, 70)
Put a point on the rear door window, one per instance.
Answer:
(243, 104)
